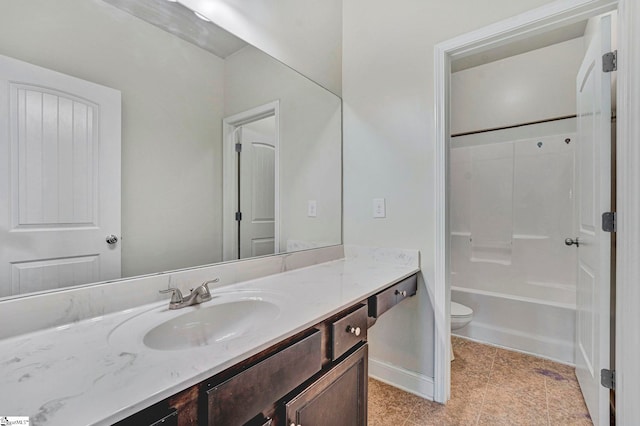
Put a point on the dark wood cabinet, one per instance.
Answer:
(348, 330)
(338, 398)
(158, 414)
(242, 397)
(387, 299)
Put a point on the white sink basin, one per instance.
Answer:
(211, 324)
(229, 316)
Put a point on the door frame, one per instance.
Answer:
(230, 169)
(545, 18)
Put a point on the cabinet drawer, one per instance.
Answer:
(348, 331)
(242, 397)
(386, 299)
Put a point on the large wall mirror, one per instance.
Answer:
(137, 138)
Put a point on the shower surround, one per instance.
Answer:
(512, 206)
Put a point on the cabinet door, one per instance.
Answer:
(338, 398)
(240, 398)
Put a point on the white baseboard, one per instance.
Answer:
(400, 378)
(542, 346)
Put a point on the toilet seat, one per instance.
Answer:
(460, 316)
(460, 311)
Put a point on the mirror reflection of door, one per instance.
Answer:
(60, 172)
(256, 188)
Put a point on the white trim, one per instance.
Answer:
(400, 378)
(460, 336)
(516, 340)
(540, 20)
(442, 293)
(229, 170)
(628, 207)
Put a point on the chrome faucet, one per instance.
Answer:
(199, 295)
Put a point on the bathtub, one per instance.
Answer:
(535, 326)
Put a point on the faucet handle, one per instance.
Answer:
(203, 291)
(206, 283)
(176, 296)
(205, 286)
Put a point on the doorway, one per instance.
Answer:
(532, 24)
(524, 226)
(251, 183)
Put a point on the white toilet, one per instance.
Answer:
(460, 316)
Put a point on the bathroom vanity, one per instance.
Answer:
(316, 376)
(295, 351)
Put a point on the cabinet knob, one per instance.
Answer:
(293, 424)
(353, 330)
(402, 293)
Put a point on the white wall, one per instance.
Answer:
(532, 86)
(164, 80)
(388, 143)
(310, 142)
(306, 35)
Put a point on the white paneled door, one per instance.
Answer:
(593, 184)
(59, 179)
(257, 192)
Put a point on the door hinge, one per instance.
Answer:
(238, 216)
(609, 222)
(608, 378)
(238, 147)
(610, 61)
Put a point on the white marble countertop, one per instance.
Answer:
(75, 374)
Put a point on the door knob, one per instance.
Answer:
(111, 239)
(571, 242)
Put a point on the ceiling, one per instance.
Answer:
(521, 46)
(182, 22)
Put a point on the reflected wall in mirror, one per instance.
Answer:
(111, 124)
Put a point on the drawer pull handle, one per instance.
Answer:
(293, 424)
(402, 293)
(353, 330)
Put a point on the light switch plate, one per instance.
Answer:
(312, 208)
(379, 208)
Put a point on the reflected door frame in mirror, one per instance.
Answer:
(230, 127)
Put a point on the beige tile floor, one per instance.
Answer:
(489, 386)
